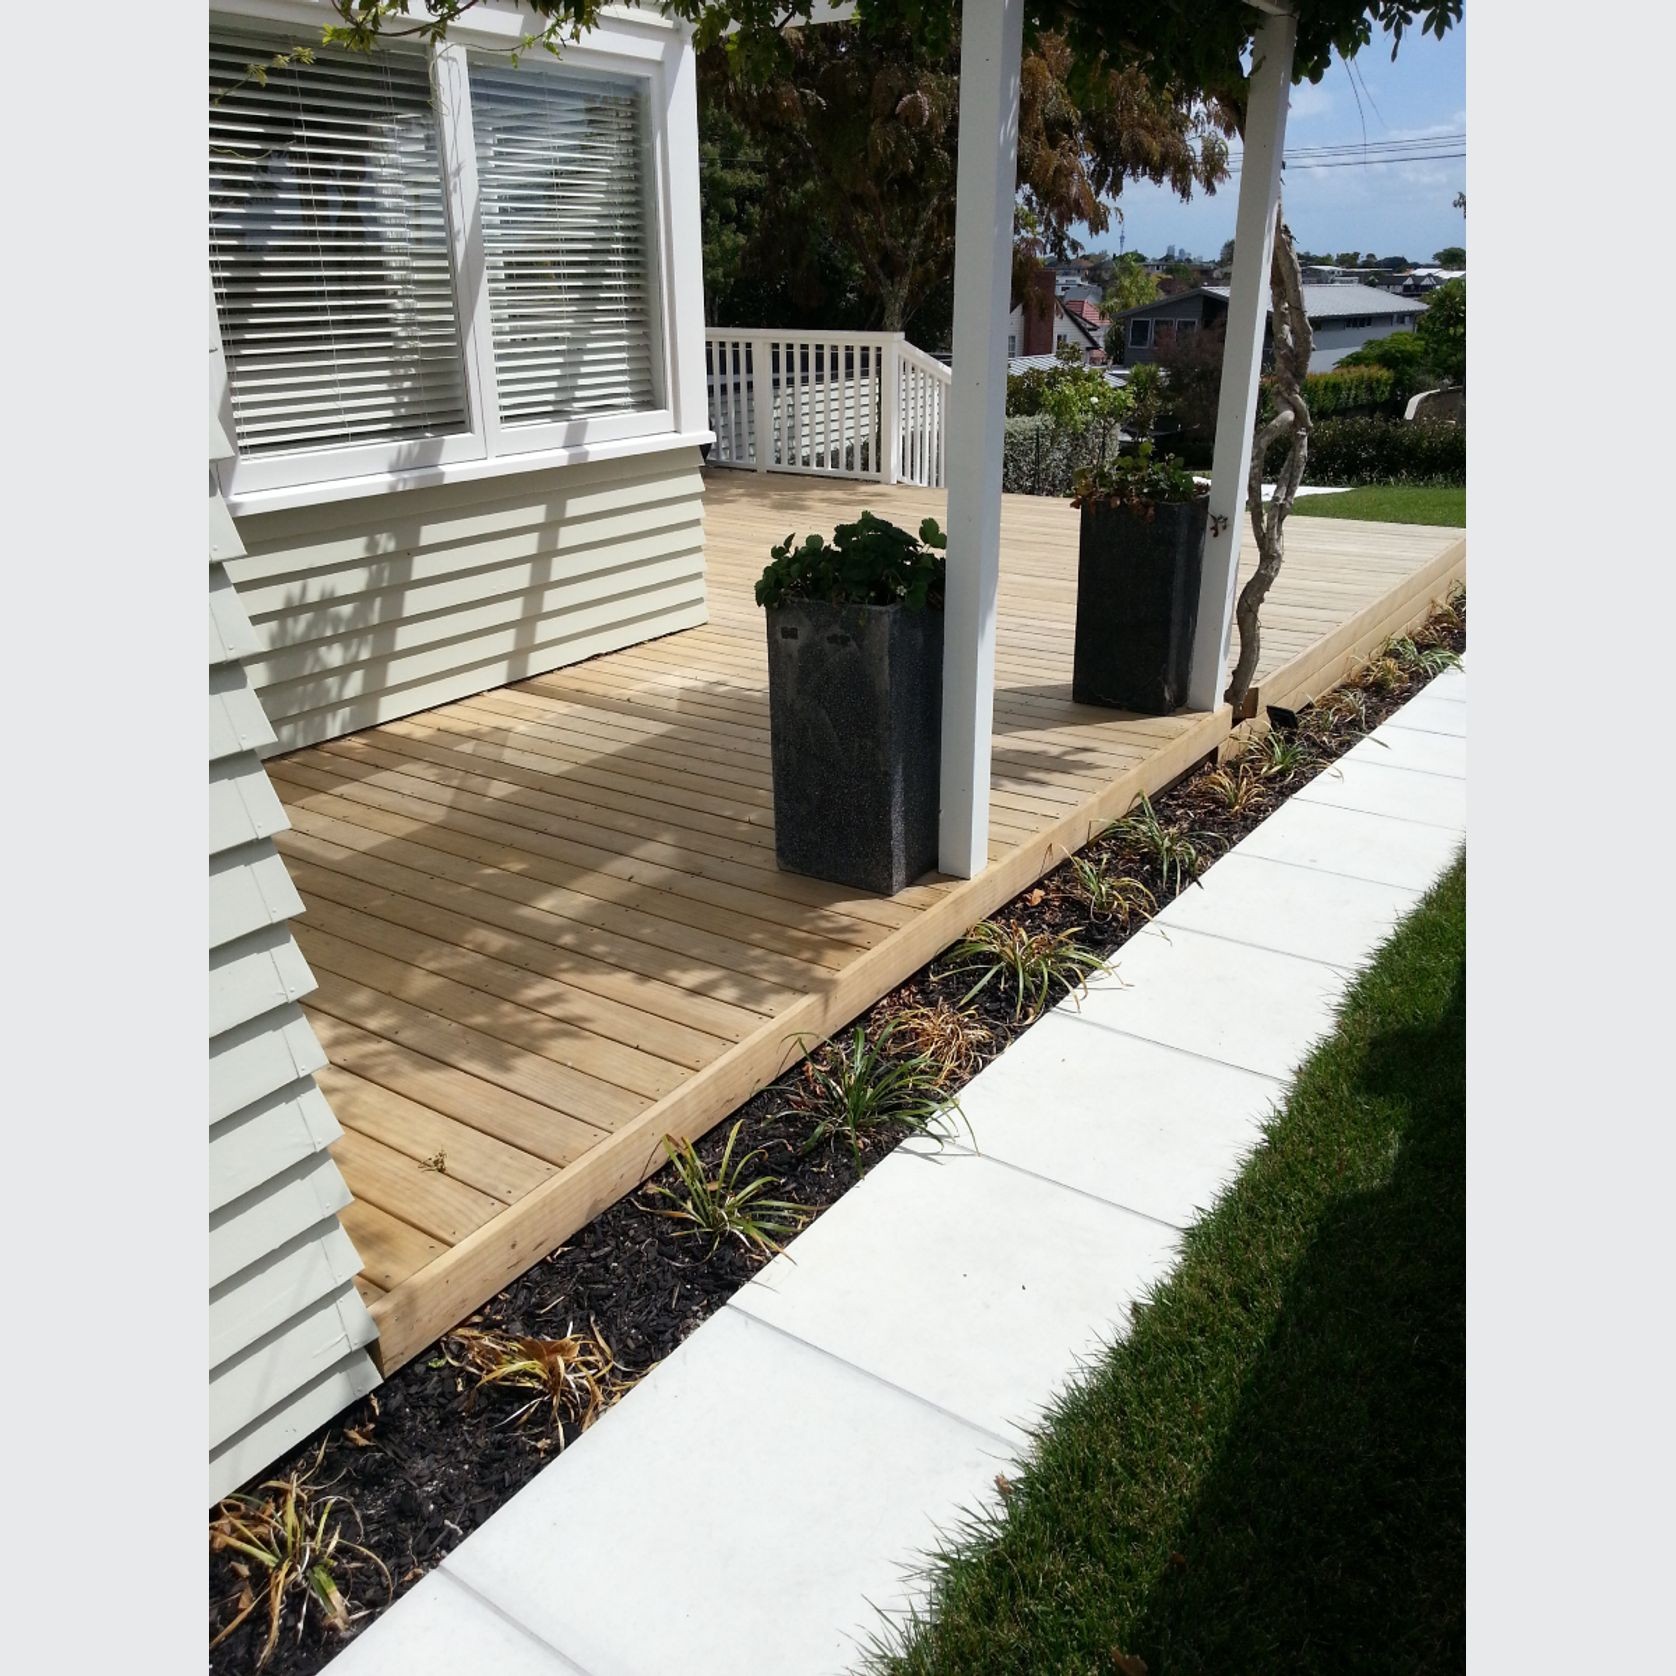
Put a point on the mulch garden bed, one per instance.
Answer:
(425, 1459)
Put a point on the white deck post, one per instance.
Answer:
(986, 188)
(890, 408)
(1242, 356)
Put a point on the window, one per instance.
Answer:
(1355, 320)
(1012, 345)
(1140, 334)
(329, 252)
(561, 178)
(425, 257)
(1183, 327)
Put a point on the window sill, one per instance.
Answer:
(257, 501)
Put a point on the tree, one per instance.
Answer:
(1191, 364)
(863, 124)
(1443, 331)
(1131, 286)
(1226, 258)
(1347, 259)
(1450, 256)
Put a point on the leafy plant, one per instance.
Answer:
(1109, 896)
(1170, 848)
(855, 1088)
(572, 1375)
(954, 1038)
(868, 562)
(724, 1204)
(1138, 481)
(1027, 965)
(292, 1533)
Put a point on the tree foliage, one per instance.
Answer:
(1131, 285)
(1402, 354)
(863, 126)
(1450, 256)
(1443, 330)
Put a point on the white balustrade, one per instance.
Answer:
(829, 404)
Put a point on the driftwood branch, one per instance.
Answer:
(1293, 344)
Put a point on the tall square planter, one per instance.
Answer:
(855, 698)
(1137, 604)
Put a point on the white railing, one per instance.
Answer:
(830, 404)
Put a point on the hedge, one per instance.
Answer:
(1353, 451)
(1036, 462)
(1341, 391)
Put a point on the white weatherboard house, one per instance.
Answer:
(459, 385)
(457, 398)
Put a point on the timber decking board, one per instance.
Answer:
(547, 923)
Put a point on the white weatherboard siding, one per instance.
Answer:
(365, 610)
(288, 1331)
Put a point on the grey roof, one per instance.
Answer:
(1046, 363)
(1321, 302)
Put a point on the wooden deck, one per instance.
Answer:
(547, 924)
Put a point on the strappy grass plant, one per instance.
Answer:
(288, 1543)
(856, 1088)
(1235, 789)
(573, 1376)
(1033, 968)
(955, 1039)
(1278, 756)
(722, 1202)
(1420, 660)
(1109, 897)
(1171, 849)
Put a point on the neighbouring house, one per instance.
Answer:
(457, 402)
(1050, 320)
(1343, 318)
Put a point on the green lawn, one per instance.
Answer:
(1269, 1476)
(1390, 503)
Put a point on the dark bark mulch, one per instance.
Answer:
(424, 1460)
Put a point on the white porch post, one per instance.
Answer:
(1242, 356)
(991, 39)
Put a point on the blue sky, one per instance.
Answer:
(1400, 209)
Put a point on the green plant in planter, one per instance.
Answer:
(1139, 481)
(869, 562)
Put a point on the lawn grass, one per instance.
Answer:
(1391, 503)
(1269, 1474)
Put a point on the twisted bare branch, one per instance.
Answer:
(1294, 342)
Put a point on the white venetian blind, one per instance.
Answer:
(329, 250)
(563, 182)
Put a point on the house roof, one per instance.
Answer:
(1086, 307)
(1321, 302)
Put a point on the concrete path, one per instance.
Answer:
(764, 1494)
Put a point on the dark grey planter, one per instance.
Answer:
(1137, 605)
(855, 699)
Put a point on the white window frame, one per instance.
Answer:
(1140, 334)
(648, 50)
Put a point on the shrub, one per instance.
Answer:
(1401, 354)
(1351, 451)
